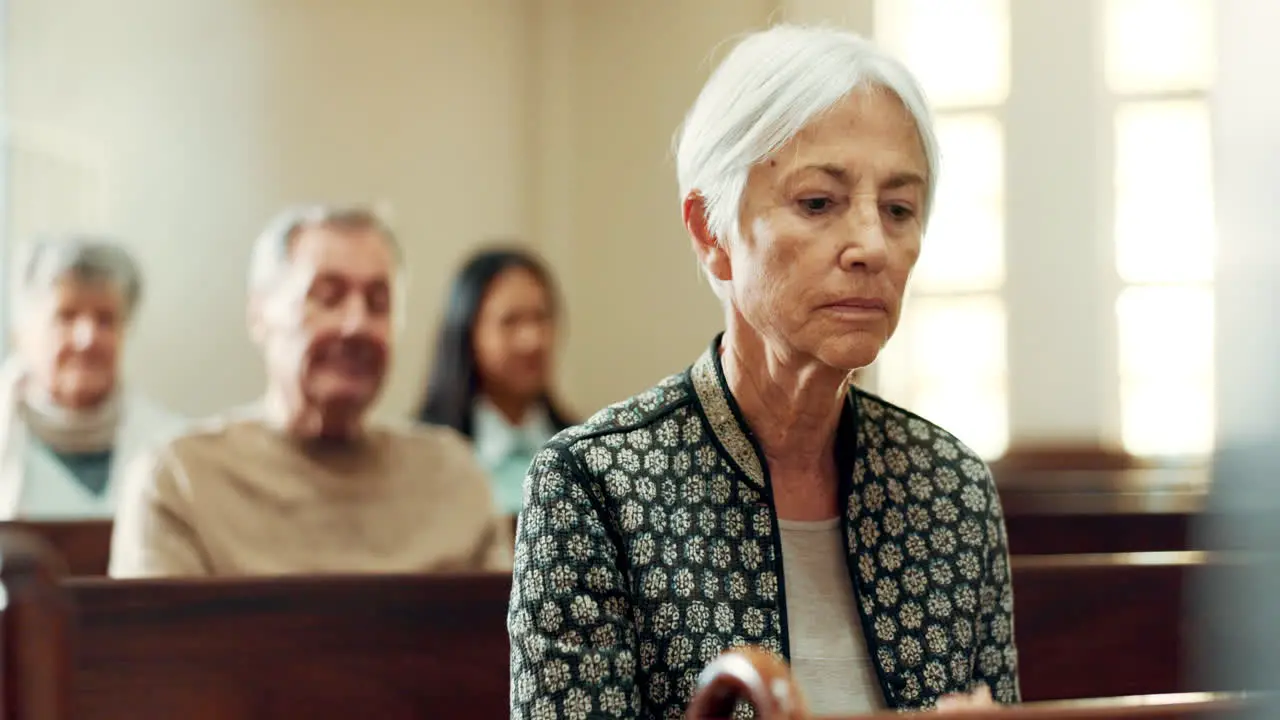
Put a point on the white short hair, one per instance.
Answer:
(771, 86)
(274, 245)
(47, 260)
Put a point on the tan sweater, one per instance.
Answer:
(235, 497)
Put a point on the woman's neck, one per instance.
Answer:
(515, 409)
(792, 405)
(80, 428)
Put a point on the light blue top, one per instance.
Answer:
(69, 486)
(505, 451)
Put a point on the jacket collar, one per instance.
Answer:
(723, 414)
(730, 427)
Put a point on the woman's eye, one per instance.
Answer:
(900, 212)
(815, 205)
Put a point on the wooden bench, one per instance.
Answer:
(34, 619)
(1040, 522)
(1068, 512)
(418, 646)
(1104, 625)
(85, 545)
(340, 647)
(749, 677)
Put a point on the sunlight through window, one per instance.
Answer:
(1159, 63)
(1159, 45)
(947, 361)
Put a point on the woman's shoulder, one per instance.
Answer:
(887, 426)
(636, 413)
(638, 421)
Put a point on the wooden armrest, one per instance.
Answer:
(763, 681)
(35, 618)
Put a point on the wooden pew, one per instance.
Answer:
(1104, 625)
(1040, 522)
(1055, 502)
(1102, 511)
(1106, 532)
(341, 648)
(747, 676)
(85, 545)
(398, 646)
(34, 619)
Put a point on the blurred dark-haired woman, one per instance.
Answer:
(492, 376)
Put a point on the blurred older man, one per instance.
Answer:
(302, 482)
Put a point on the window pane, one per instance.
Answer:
(1166, 366)
(956, 338)
(964, 247)
(1166, 331)
(1167, 416)
(1164, 228)
(1159, 45)
(947, 363)
(959, 49)
(975, 412)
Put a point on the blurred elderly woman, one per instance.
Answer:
(67, 428)
(758, 497)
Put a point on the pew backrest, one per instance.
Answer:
(753, 678)
(84, 545)
(316, 648)
(1104, 625)
(34, 630)
(1039, 522)
(1087, 626)
(1102, 511)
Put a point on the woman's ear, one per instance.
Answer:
(710, 249)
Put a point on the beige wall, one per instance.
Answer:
(616, 78)
(1246, 116)
(181, 126)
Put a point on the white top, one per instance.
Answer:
(829, 658)
(36, 485)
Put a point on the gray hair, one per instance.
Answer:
(272, 249)
(84, 258)
(771, 86)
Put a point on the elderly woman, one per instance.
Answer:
(759, 498)
(67, 428)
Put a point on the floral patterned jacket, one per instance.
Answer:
(649, 544)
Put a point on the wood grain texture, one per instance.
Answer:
(342, 647)
(35, 615)
(422, 646)
(1079, 513)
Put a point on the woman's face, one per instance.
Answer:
(514, 336)
(70, 339)
(830, 230)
